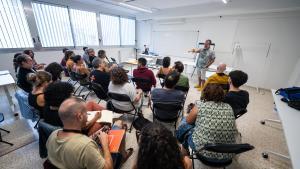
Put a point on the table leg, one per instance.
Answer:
(9, 98)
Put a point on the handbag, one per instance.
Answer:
(140, 123)
(291, 93)
(291, 96)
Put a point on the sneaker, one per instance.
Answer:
(197, 86)
(199, 89)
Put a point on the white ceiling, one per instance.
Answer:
(187, 8)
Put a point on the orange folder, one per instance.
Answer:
(115, 138)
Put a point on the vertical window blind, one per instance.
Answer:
(53, 25)
(110, 27)
(84, 26)
(14, 30)
(127, 31)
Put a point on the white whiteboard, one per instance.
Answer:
(174, 43)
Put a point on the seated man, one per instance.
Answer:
(168, 94)
(143, 72)
(238, 99)
(100, 74)
(183, 80)
(25, 65)
(69, 148)
(91, 57)
(218, 78)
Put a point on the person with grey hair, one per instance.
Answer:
(91, 56)
(69, 148)
(100, 74)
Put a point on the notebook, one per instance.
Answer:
(114, 139)
(106, 116)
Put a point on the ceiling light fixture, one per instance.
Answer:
(135, 7)
(224, 1)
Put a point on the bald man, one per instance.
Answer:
(218, 78)
(69, 148)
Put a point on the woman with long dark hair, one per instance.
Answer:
(158, 149)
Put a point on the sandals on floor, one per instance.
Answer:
(129, 153)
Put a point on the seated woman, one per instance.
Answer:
(58, 92)
(40, 81)
(63, 61)
(55, 70)
(69, 62)
(211, 121)
(35, 64)
(165, 69)
(158, 149)
(183, 80)
(80, 68)
(119, 84)
(110, 63)
(25, 66)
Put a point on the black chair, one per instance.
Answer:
(220, 148)
(84, 82)
(99, 91)
(123, 98)
(171, 110)
(240, 113)
(142, 83)
(72, 77)
(161, 78)
(44, 131)
(182, 88)
(2, 141)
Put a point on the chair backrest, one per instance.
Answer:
(44, 131)
(170, 110)
(228, 148)
(99, 91)
(120, 98)
(159, 62)
(142, 83)
(72, 75)
(26, 110)
(182, 88)
(1, 117)
(240, 113)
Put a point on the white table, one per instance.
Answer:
(290, 119)
(148, 56)
(3, 72)
(5, 80)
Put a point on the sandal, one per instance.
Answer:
(125, 127)
(129, 153)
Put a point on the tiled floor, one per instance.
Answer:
(262, 137)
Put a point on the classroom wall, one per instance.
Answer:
(121, 54)
(268, 43)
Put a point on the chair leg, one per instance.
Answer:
(193, 163)
(2, 141)
(5, 130)
(11, 144)
(193, 72)
(36, 124)
(87, 95)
